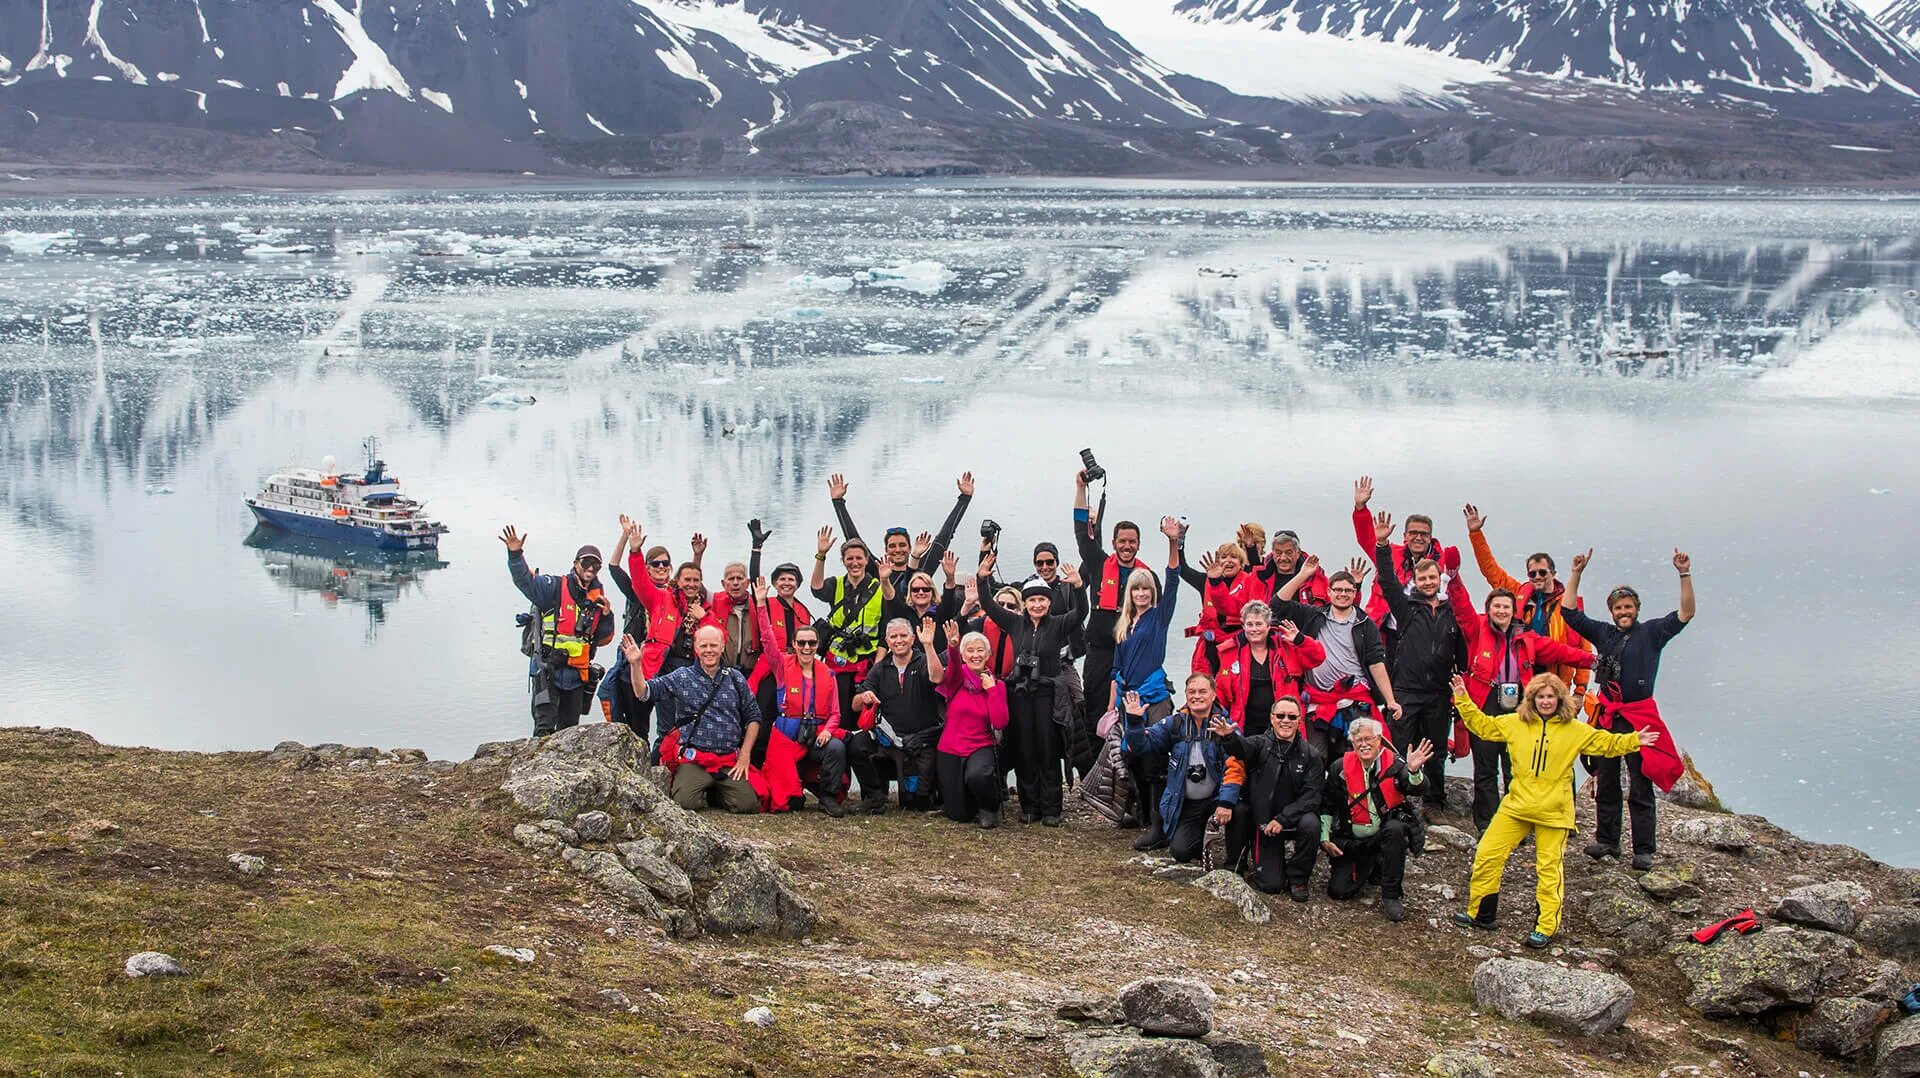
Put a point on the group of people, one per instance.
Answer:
(1317, 719)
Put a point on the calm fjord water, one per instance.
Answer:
(1732, 373)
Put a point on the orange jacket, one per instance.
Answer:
(1524, 599)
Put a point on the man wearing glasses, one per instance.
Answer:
(1277, 781)
(571, 618)
(1537, 600)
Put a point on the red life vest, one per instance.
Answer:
(779, 630)
(999, 654)
(570, 633)
(799, 692)
(1110, 583)
(1285, 664)
(1224, 598)
(664, 615)
(1355, 775)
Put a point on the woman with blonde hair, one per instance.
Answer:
(1139, 659)
(1543, 739)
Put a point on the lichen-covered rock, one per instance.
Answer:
(1239, 1059)
(714, 881)
(1091, 1007)
(1756, 973)
(1891, 930)
(1124, 1055)
(1668, 882)
(1843, 1026)
(247, 864)
(1460, 1064)
(595, 826)
(1896, 1052)
(1440, 834)
(1632, 921)
(1228, 887)
(560, 831)
(1168, 1006)
(1884, 981)
(1582, 1001)
(644, 859)
(1828, 906)
(1720, 832)
(537, 840)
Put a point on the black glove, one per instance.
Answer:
(759, 536)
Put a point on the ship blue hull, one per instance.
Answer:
(301, 524)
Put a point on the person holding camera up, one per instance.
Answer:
(1039, 637)
(570, 618)
(1192, 740)
(850, 632)
(1107, 577)
(1367, 821)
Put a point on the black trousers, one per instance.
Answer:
(1188, 834)
(1273, 869)
(559, 709)
(971, 784)
(1431, 719)
(1039, 754)
(1096, 677)
(1606, 799)
(873, 763)
(1362, 859)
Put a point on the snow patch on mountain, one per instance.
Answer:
(371, 70)
(791, 46)
(1267, 60)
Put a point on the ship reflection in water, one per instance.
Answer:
(341, 573)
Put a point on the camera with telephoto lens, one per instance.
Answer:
(990, 530)
(1091, 467)
(1025, 676)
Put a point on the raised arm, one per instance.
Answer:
(1362, 516)
(1684, 565)
(1471, 621)
(998, 614)
(763, 617)
(837, 490)
(929, 635)
(1483, 553)
(1388, 580)
(1086, 534)
(943, 539)
(1477, 721)
(823, 542)
(1291, 587)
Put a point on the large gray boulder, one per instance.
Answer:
(1124, 1055)
(1896, 1052)
(1169, 1006)
(1891, 930)
(1843, 1026)
(1582, 1001)
(683, 871)
(1756, 973)
(1720, 832)
(1827, 906)
(1228, 887)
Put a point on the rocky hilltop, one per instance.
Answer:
(543, 908)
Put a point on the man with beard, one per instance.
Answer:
(1431, 647)
(571, 618)
(1105, 578)
(1629, 662)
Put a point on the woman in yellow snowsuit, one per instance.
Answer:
(1543, 741)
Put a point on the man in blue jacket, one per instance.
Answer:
(572, 618)
(1196, 766)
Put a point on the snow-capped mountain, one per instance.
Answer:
(634, 87)
(1743, 48)
(1902, 17)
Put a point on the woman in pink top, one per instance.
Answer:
(971, 779)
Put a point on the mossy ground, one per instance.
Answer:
(361, 951)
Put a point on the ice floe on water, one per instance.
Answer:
(34, 243)
(808, 282)
(925, 277)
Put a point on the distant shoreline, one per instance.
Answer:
(25, 180)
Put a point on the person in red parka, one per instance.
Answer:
(1262, 663)
(1416, 545)
(1502, 657)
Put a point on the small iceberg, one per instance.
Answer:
(924, 278)
(492, 380)
(883, 348)
(159, 488)
(805, 314)
(504, 399)
(34, 243)
(808, 282)
(608, 271)
(1674, 278)
(268, 250)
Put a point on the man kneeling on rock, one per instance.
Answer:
(1366, 820)
(717, 722)
(1280, 777)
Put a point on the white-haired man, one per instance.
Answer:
(1368, 816)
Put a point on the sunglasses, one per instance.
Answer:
(590, 565)
(1287, 716)
(1044, 562)
(806, 643)
(891, 532)
(1540, 574)
(920, 589)
(663, 563)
